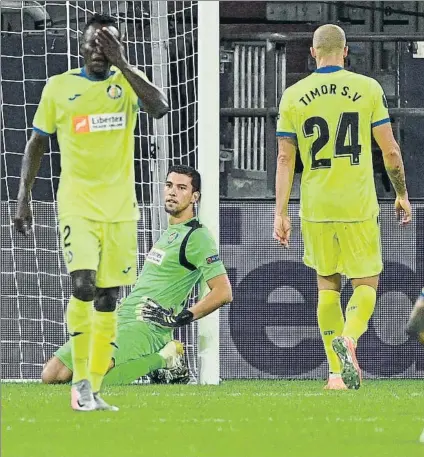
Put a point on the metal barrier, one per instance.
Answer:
(269, 112)
(249, 92)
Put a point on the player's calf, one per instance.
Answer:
(103, 341)
(55, 372)
(78, 318)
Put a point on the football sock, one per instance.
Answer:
(78, 317)
(359, 311)
(102, 345)
(330, 322)
(128, 372)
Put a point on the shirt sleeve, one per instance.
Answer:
(45, 117)
(202, 252)
(380, 113)
(285, 125)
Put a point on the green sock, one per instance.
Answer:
(330, 322)
(128, 372)
(359, 311)
(79, 319)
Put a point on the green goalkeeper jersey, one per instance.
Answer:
(183, 255)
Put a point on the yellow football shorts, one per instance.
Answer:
(349, 248)
(109, 248)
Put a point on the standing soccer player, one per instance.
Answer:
(94, 111)
(329, 116)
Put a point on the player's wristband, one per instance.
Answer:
(184, 318)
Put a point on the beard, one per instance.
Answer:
(171, 211)
(175, 210)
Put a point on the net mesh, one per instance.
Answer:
(39, 40)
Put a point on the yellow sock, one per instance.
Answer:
(359, 311)
(330, 322)
(78, 316)
(104, 334)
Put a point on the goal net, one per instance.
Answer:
(41, 39)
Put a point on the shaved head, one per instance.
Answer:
(328, 40)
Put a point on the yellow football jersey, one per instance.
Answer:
(331, 113)
(95, 122)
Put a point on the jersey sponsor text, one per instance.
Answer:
(99, 122)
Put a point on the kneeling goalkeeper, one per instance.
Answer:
(184, 254)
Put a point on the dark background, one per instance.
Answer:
(394, 65)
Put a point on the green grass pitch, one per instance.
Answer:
(236, 419)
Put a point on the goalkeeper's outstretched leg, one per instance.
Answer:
(175, 371)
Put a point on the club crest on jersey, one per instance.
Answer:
(172, 237)
(114, 91)
(155, 256)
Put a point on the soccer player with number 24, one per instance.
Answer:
(93, 110)
(329, 117)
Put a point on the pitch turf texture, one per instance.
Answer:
(236, 419)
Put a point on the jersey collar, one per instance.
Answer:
(83, 74)
(329, 69)
(181, 224)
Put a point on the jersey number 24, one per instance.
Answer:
(348, 126)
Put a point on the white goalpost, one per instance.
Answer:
(208, 166)
(177, 45)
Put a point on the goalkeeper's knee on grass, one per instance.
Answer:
(55, 372)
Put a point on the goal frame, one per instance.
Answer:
(207, 147)
(208, 167)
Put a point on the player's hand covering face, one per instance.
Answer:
(110, 46)
(94, 58)
(150, 311)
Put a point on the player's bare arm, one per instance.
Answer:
(393, 163)
(283, 185)
(220, 294)
(153, 99)
(34, 151)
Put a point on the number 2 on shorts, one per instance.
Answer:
(66, 234)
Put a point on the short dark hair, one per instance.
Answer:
(196, 182)
(101, 19)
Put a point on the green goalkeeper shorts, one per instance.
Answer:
(134, 340)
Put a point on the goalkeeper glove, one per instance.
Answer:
(153, 312)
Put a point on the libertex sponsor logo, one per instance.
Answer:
(98, 122)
